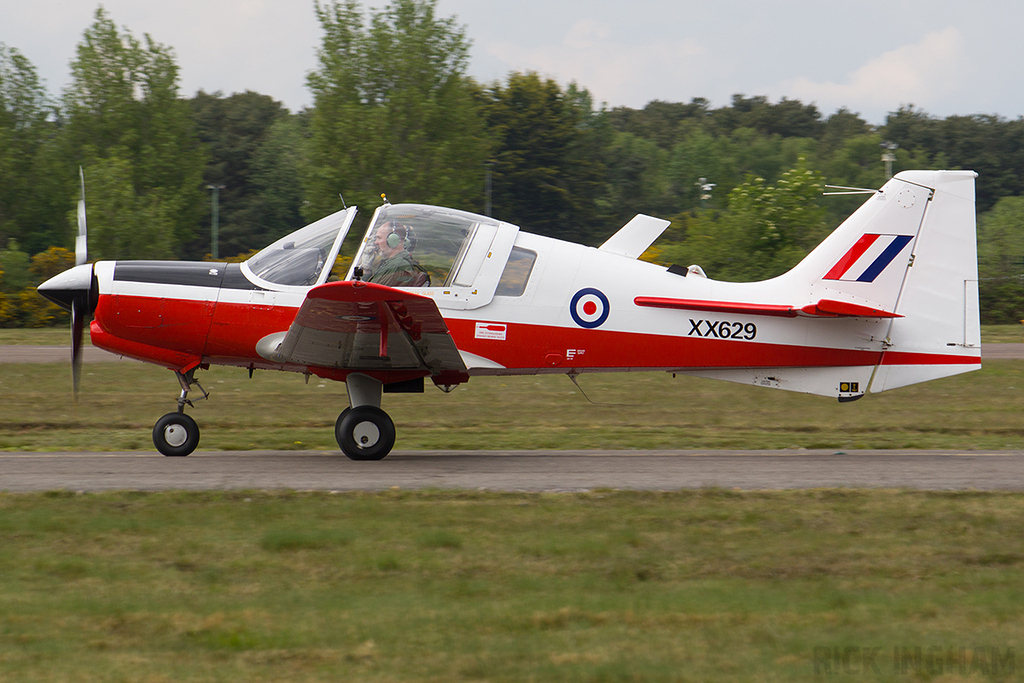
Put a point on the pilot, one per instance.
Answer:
(397, 268)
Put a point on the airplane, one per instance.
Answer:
(889, 299)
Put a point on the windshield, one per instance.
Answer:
(298, 259)
(414, 245)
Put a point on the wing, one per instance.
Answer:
(369, 327)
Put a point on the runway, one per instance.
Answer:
(506, 470)
(552, 471)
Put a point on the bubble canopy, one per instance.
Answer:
(437, 239)
(302, 258)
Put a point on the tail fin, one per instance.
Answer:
(910, 251)
(900, 279)
(940, 332)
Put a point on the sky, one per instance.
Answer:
(870, 56)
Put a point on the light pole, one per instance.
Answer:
(215, 225)
(487, 188)
(888, 156)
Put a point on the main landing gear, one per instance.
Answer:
(177, 434)
(364, 431)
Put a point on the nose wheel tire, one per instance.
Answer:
(176, 434)
(365, 433)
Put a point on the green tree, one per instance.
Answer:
(122, 106)
(788, 118)
(637, 177)
(990, 145)
(700, 154)
(122, 223)
(277, 176)
(1001, 261)
(31, 208)
(546, 176)
(765, 231)
(255, 152)
(840, 127)
(393, 110)
(14, 268)
(664, 123)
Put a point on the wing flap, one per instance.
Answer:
(365, 326)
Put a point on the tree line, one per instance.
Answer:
(395, 112)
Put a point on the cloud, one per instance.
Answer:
(922, 73)
(227, 45)
(615, 72)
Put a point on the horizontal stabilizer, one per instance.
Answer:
(827, 308)
(830, 308)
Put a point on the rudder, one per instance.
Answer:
(939, 331)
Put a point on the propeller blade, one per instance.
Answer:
(77, 324)
(81, 247)
(75, 289)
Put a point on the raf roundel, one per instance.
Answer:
(589, 308)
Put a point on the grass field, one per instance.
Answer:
(464, 586)
(995, 334)
(692, 586)
(120, 402)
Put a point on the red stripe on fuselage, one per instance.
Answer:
(226, 333)
(914, 358)
(538, 346)
(547, 347)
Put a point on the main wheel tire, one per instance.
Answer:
(365, 433)
(176, 434)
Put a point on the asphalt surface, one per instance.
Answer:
(505, 470)
(56, 354)
(515, 470)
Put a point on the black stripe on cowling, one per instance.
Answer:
(233, 278)
(192, 273)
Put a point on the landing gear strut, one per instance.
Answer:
(364, 431)
(176, 434)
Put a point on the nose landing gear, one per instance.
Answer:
(177, 434)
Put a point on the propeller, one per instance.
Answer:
(81, 247)
(77, 326)
(75, 290)
(78, 303)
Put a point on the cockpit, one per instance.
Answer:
(432, 246)
(460, 259)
